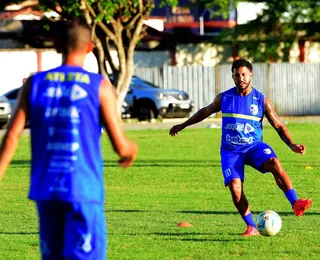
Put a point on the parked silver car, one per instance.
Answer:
(5, 111)
(8, 103)
(147, 101)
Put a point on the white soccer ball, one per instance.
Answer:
(269, 223)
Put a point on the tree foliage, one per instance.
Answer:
(275, 29)
(116, 25)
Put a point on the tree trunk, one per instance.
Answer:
(286, 51)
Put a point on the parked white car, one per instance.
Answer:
(8, 103)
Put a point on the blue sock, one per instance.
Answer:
(249, 220)
(291, 196)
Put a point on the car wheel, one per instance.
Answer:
(3, 125)
(145, 113)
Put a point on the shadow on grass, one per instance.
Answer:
(281, 213)
(18, 233)
(167, 163)
(141, 163)
(190, 236)
(20, 163)
(185, 237)
(210, 212)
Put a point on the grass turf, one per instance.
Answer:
(179, 179)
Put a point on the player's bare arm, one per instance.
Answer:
(16, 126)
(200, 115)
(125, 148)
(281, 128)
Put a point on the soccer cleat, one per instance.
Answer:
(251, 231)
(300, 206)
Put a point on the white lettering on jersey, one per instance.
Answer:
(71, 112)
(54, 130)
(235, 127)
(63, 146)
(53, 92)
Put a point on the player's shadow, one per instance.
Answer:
(205, 212)
(190, 236)
(127, 210)
(18, 233)
(167, 163)
(210, 212)
(20, 163)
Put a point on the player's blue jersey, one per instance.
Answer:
(65, 135)
(241, 119)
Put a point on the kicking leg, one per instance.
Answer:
(284, 183)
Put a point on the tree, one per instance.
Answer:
(116, 24)
(276, 28)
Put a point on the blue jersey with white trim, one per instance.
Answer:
(241, 119)
(65, 136)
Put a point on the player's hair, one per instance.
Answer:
(241, 63)
(73, 36)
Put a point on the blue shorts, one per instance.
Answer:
(72, 230)
(233, 162)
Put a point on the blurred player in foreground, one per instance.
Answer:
(243, 108)
(66, 107)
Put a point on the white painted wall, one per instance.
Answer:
(16, 65)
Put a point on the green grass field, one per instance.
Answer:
(179, 179)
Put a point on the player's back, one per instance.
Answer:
(65, 135)
(241, 119)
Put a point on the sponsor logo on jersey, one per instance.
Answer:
(239, 140)
(235, 127)
(246, 128)
(75, 93)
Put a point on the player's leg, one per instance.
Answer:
(85, 236)
(283, 181)
(233, 172)
(264, 159)
(51, 226)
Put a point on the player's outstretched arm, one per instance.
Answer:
(125, 148)
(281, 128)
(200, 115)
(16, 126)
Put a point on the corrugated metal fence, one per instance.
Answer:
(294, 89)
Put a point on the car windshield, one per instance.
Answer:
(12, 94)
(139, 83)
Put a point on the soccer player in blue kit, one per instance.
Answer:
(66, 107)
(243, 108)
